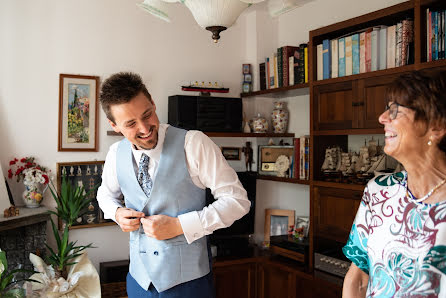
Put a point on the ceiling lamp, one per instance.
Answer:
(212, 15)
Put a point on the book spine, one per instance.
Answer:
(267, 73)
(306, 64)
(383, 47)
(368, 51)
(428, 58)
(375, 49)
(276, 77)
(285, 68)
(434, 35)
(430, 36)
(443, 44)
(319, 62)
(355, 54)
(334, 58)
(362, 52)
(399, 40)
(391, 46)
(348, 56)
(307, 158)
(301, 66)
(326, 56)
(406, 33)
(262, 76)
(291, 70)
(341, 65)
(296, 168)
(279, 67)
(302, 158)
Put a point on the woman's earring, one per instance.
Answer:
(430, 141)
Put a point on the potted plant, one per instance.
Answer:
(8, 279)
(67, 269)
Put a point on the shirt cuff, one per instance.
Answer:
(111, 214)
(191, 225)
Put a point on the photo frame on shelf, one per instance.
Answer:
(87, 174)
(302, 225)
(78, 113)
(268, 155)
(231, 153)
(277, 222)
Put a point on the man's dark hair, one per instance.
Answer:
(120, 88)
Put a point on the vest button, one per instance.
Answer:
(155, 253)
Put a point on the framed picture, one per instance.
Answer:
(246, 68)
(268, 156)
(302, 225)
(87, 174)
(78, 113)
(231, 153)
(277, 222)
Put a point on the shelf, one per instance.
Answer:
(378, 73)
(433, 64)
(339, 185)
(282, 179)
(231, 134)
(362, 131)
(278, 92)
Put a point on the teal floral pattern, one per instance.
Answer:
(399, 243)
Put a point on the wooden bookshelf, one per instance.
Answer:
(279, 92)
(282, 179)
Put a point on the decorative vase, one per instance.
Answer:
(259, 124)
(33, 195)
(279, 118)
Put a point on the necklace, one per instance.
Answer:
(428, 194)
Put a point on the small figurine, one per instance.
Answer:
(71, 171)
(248, 156)
(88, 171)
(79, 171)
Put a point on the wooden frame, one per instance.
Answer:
(88, 173)
(231, 153)
(270, 214)
(78, 113)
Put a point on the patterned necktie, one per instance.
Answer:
(143, 175)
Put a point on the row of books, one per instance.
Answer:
(375, 48)
(301, 168)
(286, 67)
(435, 34)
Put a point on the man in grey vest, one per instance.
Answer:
(163, 172)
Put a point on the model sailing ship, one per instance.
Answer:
(353, 167)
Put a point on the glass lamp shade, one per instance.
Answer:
(157, 8)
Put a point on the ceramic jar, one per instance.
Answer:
(259, 124)
(279, 118)
(33, 195)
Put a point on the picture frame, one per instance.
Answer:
(277, 222)
(88, 174)
(246, 68)
(267, 157)
(303, 222)
(78, 113)
(231, 153)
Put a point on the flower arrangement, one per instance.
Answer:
(29, 171)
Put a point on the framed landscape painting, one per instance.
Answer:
(78, 113)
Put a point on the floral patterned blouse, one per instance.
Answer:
(399, 243)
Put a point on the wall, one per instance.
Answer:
(40, 39)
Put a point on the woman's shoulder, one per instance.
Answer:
(387, 180)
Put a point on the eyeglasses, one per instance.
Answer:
(393, 109)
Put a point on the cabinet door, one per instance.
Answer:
(235, 280)
(274, 282)
(333, 106)
(371, 97)
(334, 212)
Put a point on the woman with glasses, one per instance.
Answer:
(397, 243)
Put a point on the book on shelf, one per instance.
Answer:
(287, 53)
(291, 71)
(300, 75)
(348, 56)
(374, 60)
(334, 58)
(407, 42)
(326, 56)
(428, 35)
(267, 73)
(391, 43)
(368, 50)
(434, 36)
(382, 48)
(399, 41)
(304, 157)
(296, 158)
(276, 76)
(362, 52)
(262, 76)
(355, 53)
(306, 64)
(319, 61)
(279, 67)
(341, 65)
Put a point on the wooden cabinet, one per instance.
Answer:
(275, 281)
(235, 279)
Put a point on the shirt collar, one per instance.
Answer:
(154, 153)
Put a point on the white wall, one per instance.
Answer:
(41, 39)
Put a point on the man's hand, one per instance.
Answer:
(161, 227)
(128, 219)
